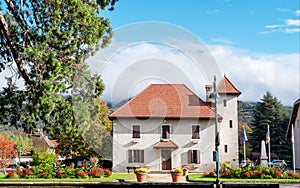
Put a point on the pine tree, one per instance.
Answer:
(271, 112)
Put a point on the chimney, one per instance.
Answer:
(208, 89)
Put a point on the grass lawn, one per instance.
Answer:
(114, 176)
(199, 177)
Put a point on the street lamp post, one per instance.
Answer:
(217, 135)
(19, 146)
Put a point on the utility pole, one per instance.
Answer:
(217, 135)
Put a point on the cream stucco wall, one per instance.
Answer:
(181, 135)
(297, 140)
(229, 136)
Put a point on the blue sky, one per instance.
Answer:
(260, 26)
(255, 42)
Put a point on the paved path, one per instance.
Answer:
(162, 178)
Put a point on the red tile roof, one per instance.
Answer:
(165, 101)
(166, 144)
(226, 87)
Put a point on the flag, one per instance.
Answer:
(267, 136)
(244, 136)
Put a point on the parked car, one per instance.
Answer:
(278, 163)
(245, 163)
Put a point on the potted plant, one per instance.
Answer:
(176, 174)
(185, 169)
(141, 174)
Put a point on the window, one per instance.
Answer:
(225, 103)
(230, 123)
(135, 156)
(165, 131)
(194, 156)
(195, 132)
(226, 148)
(136, 131)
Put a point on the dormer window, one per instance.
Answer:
(136, 131)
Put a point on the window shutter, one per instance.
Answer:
(142, 156)
(129, 156)
(190, 155)
(198, 156)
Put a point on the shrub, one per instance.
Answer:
(44, 161)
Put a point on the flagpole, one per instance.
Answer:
(269, 144)
(244, 139)
(244, 150)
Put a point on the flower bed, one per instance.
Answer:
(254, 172)
(68, 172)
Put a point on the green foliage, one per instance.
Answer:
(257, 172)
(44, 162)
(271, 112)
(48, 42)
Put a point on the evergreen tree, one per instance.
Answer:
(271, 112)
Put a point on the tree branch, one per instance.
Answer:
(13, 48)
(11, 7)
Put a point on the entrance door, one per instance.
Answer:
(166, 160)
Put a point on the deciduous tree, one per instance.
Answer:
(7, 152)
(44, 43)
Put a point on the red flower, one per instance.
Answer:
(10, 173)
(246, 175)
(226, 174)
(291, 173)
(277, 172)
(258, 172)
(26, 172)
(107, 172)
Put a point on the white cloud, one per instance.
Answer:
(294, 30)
(290, 22)
(222, 41)
(254, 76)
(288, 25)
(272, 26)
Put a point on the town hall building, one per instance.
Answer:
(167, 126)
